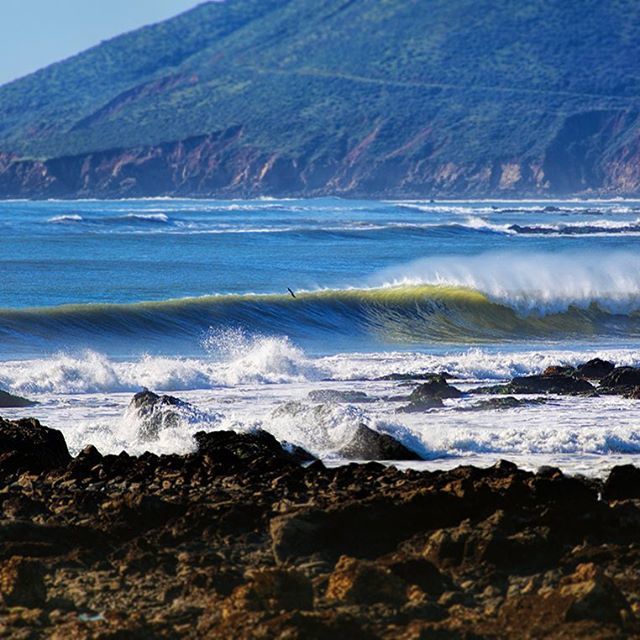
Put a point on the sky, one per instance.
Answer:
(35, 33)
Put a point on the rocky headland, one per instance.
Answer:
(247, 537)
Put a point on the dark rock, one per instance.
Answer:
(594, 596)
(336, 396)
(559, 370)
(156, 413)
(300, 455)
(359, 527)
(8, 400)
(595, 369)
(421, 572)
(368, 444)
(624, 378)
(26, 445)
(361, 582)
(623, 483)
(554, 384)
(274, 590)
(437, 387)
(546, 471)
(235, 451)
(508, 402)
(22, 583)
(633, 394)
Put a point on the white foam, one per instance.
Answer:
(73, 217)
(533, 283)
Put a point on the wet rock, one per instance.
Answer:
(362, 582)
(336, 396)
(368, 444)
(594, 596)
(156, 413)
(508, 402)
(436, 387)
(233, 451)
(623, 483)
(595, 369)
(621, 379)
(554, 384)
(9, 400)
(559, 370)
(633, 394)
(26, 445)
(22, 583)
(300, 455)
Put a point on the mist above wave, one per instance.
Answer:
(539, 283)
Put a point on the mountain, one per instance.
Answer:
(385, 98)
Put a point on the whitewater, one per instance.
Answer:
(101, 299)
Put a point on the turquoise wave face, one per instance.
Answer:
(157, 275)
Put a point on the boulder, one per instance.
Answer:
(595, 369)
(623, 483)
(559, 370)
(156, 413)
(336, 396)
(363, 582)
(368, 444)
(244, 451)
(436, 387)
(621, 379)
(10, 401)
(26, 445)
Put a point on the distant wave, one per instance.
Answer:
(69, 218)
(474, 223)
(129, 218)
(596, 227)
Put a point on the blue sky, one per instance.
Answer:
(35, 33)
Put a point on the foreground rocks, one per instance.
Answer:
(239, 540)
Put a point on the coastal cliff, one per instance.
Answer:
(299, 98)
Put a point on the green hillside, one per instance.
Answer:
(394, 97)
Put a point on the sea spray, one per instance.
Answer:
(535, 283)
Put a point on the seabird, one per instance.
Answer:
(293, 295)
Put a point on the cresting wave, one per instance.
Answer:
(405, 314)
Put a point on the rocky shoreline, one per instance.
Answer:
(248, 537)
(244, 538)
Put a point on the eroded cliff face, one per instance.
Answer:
(596, 152)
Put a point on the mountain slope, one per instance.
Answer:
(351, 97)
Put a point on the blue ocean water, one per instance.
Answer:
(101, 298)
(155, 276)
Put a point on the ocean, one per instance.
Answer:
(100, 299)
